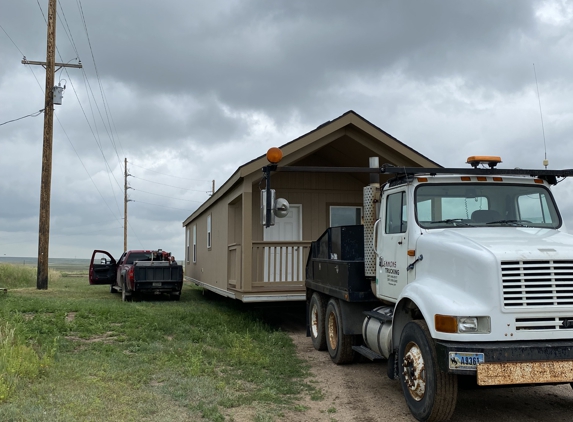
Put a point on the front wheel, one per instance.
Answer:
(339, 345)
(430, 393)
(316, 321)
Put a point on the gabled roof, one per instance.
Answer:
(334, 133)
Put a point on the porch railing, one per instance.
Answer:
(279, 263)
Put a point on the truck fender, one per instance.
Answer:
(406, 310)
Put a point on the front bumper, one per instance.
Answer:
(515, 362)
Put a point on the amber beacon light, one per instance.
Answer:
(274, 155)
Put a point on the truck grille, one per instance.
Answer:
(544, 323)
(537, 283)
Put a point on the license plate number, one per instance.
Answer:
(156, 284)
(465, 360)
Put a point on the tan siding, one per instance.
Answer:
(207, 269)
(319, 193)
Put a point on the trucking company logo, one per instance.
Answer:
(389, 266)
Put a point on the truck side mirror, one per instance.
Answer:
(103, 261)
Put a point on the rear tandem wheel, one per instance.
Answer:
(339, 344)
(316, 321)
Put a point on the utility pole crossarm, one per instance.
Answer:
(56, 64)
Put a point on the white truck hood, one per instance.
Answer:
(513, 243)
(461, 273)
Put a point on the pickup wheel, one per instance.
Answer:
(316, 321)
(339, 345)
(430, 394)
(111, 289)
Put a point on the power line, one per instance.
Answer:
(82, 163)
(165, 196)
(171, 186)
(170, 175)
(23, 117)
(10, 38)
(29, 67)
(41, 10)
(106, 108)
(68, 31)
(162, 206)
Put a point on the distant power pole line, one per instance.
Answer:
(45, 191)
(125, 201)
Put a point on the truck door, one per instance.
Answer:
(102, 268)
(392, 253)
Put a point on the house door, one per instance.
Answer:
(284, 263)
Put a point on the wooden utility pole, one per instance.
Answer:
(125, 201)
(45, 190)
(46, 184)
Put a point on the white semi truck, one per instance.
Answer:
(453, 273)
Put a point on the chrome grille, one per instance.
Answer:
(537, 283)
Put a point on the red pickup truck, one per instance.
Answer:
(137, 271)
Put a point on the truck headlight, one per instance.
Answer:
(462, 324)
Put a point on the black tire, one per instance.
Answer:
(175, 296)
(111, 289)
(339, 345)
(435, 398)
(316, 321)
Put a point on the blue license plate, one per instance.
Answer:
(460, 360)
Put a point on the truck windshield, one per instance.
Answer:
(485, 204)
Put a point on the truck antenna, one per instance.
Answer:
(545, 161)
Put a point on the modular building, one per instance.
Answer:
(227, 249)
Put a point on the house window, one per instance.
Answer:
(345, 216)
(187, 243)
(194, 243)
(209, 231)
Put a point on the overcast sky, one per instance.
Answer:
(188, 91)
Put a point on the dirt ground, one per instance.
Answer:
(361, 392)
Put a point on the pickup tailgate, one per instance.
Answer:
(157, 276)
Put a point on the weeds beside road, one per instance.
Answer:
(97, 358)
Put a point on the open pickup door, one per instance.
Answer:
(103, 268)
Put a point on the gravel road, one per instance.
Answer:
(361, 392)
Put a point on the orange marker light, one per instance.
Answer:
(539, 181)
(498, 179)
(274, 155)
(446, 323)
(466, 179)
(411, 252)
(422, 179)
(482, 179)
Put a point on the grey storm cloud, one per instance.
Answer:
(189, 91)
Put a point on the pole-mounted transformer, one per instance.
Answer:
(58, 94)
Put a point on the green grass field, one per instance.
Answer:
(75, 352)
